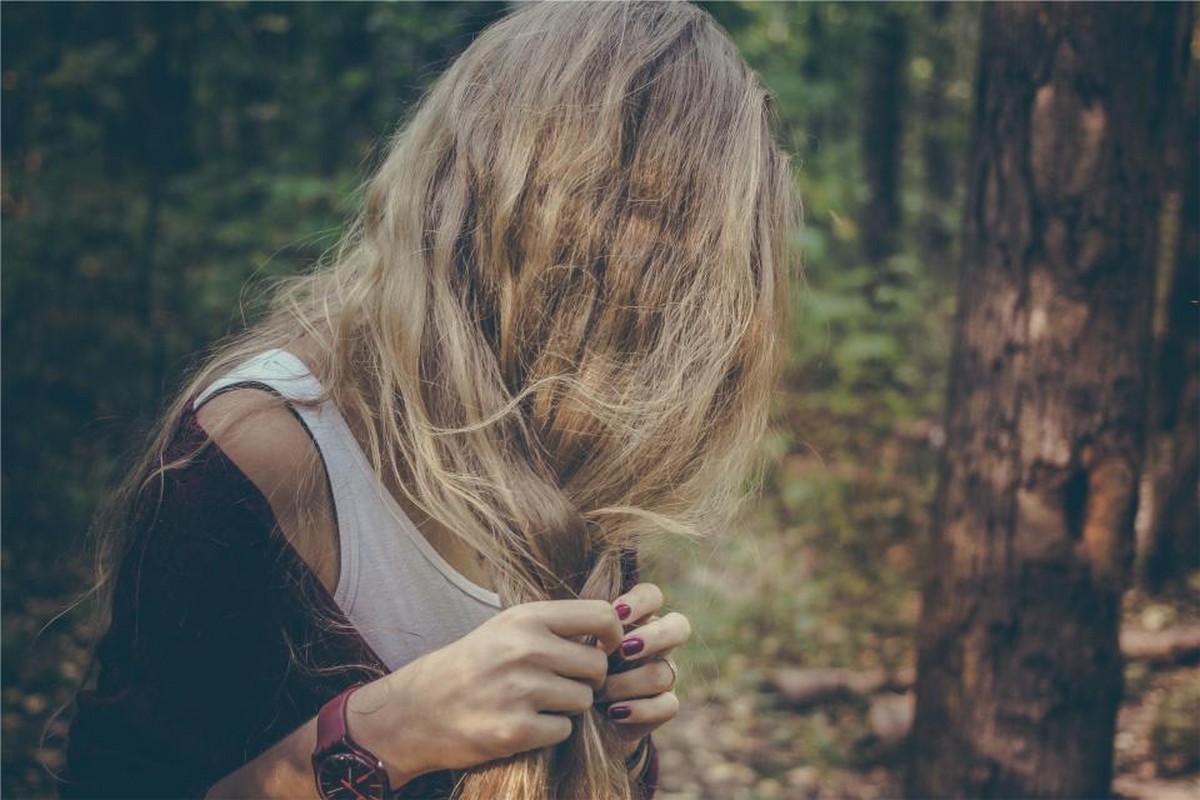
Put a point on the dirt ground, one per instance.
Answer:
(746, 748)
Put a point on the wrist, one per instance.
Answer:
(395, 744)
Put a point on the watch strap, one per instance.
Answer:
(334, 741)
(331, 720)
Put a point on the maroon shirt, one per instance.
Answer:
(212, 655)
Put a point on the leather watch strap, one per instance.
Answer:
(331, 720)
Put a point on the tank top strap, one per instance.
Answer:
(345, 465)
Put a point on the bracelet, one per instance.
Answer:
(638, 753)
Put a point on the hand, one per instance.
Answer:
(638, 695)
(506, 687)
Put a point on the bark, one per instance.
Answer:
(881, 134)
(1019, 669)
(1169, 520)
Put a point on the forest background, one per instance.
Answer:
(163, 163)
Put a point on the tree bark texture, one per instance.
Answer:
(1170, 511)
(1019, 669)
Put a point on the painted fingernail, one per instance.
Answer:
(619, 712)
(632, 646)
(623, 610)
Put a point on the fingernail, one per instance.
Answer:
(623, 610)
(619, 712)
(632, 646)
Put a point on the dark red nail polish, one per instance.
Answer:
(623, 610)
(632, 646)
(619, 712)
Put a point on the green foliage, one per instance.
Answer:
(163, 163)
(156, 159)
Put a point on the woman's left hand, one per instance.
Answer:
(638, 695)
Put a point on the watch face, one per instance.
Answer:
(347, 776)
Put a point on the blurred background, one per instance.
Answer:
(162, 163)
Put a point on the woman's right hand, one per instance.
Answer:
(507, 687)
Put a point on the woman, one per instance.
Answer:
(385, 540)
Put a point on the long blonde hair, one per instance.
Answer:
(557, 320)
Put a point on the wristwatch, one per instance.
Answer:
(344, 769)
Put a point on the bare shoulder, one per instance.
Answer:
(257, 430)
(262, 436)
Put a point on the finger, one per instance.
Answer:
(638, 603)
(569, 618)
(576, 661)
(564, 696)
(656, 637)
(648, 711)
(647, 680)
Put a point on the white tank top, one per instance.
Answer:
(401, 596)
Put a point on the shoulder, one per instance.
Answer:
(262, 436)
(259, 432)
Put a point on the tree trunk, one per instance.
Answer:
(1169, 519)
(1019, 670)
(881, 134)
